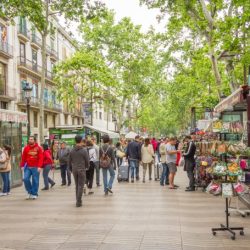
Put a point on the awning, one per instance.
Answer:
(228, 103)
(111, 134)
(12, 116)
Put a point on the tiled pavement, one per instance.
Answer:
(136, 216)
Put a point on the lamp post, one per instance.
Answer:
(27, 88)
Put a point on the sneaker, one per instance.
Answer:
(150, 179)
(69, 184)
(28, 197)
(63, 184)
(98, 185)
(109, 190)
(79, 204)
(52, 185)
(33, 197)
(3, 194)
(137, 178)
(143, 180)
(43, 189)
(106, 193)
(132, 181)
(90, 192)
(9, 193)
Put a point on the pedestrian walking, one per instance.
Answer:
(63, 156)
(119, 153)
(107, 163)
(147, 156)
(133, 155)
(78, 165)
(90, 172)
(189, 157)
(96, 162)
(171, 156)
(47, 167)
(165, 171)
(5, 168)
(31, 164)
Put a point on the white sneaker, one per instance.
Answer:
(3, 194)
(28, 197)
(9, 193)
(33, 197)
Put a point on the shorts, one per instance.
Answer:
(172, 167)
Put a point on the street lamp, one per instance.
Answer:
(27, 88)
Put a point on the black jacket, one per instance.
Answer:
(134, 151)
(78, 159)
(190, 151)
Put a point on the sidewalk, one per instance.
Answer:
(136, 216)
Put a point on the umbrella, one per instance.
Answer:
(131, 135)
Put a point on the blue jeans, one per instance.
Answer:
(31, 188)
(46, 178)
(105, 178)
(134, 168)
(164, 175)
(6, 182)
(65, 172)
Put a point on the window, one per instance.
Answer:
(66, 119)
(46, 96)
(23, 110)
(35, 119)
(73, 120)
(22, 53)
(78, 121)
(52, 43)
(2, 79)
(100, 115)
(45, 121)
(34, 89)
(23, 26)
(96, 115)
(3, 105)
(34, 60)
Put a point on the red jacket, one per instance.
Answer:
(47, 158)
(33, 156)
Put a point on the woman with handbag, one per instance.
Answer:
(5, 168)
(147, 155)
(119, 153)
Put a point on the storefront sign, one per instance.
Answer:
(12, 116)
(230, 101)
(87, 112)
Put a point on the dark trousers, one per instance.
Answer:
(190, 174)
(79, 177)
(46, 178)
(65, 172)
(90, 175)
(6, 181)
(119, 161)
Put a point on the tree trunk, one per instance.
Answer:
(44, 67)
(41, 101)
(231, 76)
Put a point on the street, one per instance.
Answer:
(136, 216)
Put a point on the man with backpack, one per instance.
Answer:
(78, 165)
(133, 154)
(107, 163)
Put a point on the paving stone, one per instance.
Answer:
(137, 216)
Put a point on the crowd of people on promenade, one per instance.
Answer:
(87, 158)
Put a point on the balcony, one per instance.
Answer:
(49, 106)
(52, 106)
(34, 101)
(23, 33)
(29, 67)
(36, 42)
(53, 54)
(7, 94)
(6, 50)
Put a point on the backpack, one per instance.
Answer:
(3, 160)
(105, 160)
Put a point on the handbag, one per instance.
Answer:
(120, 154)
(3, 161)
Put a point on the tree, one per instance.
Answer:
(220, 26)
(39, 13)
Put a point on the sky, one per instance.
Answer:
(139, 14)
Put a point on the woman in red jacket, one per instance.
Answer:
(47, 166)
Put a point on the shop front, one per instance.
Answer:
(11, 134)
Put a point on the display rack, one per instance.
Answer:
(227, 226)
